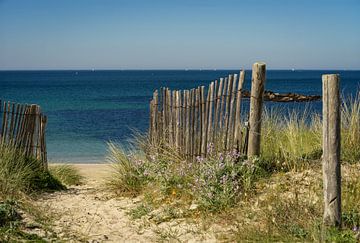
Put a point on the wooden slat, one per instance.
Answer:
(237, 127)
(196, 123)
(12, 118)
(205, 126)
(19, 122)
(192, 111)
(4, 121)
(169, 115)
(227, 110)
(222, 108)
(202, 121)
(164, 120)
(173, 115)
(217, 110)
(155, 116)
(187, 141)
(230, 131)
(17, 115)
(180, 119)
(210, 113)
(184, 123)
(178, 112)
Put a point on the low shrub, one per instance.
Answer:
(214, 183)
(219, 181)
(8, 213)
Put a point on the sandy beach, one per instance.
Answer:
(88, 213)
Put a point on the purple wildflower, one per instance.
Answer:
(210, 148)
(199, 159)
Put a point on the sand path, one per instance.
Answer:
(87, 213)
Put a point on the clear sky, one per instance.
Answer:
(171, 34)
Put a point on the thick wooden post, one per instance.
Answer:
(256, 104)
(331, 150)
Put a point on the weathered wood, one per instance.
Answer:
(19, 123)
(192, 126)
(210, 111)
(173, 114)
(222, 108)
(177, 131)
(197, 139)
(164, 117)
(151, 120)
(230, 131)
(203, 115)
(187, 130)
(331, 150)
(4, 121)
(22, 128)
(206, 121)
(184, 121)
(237, 126)
(180, 120)
(34, 112)
(12, 119)
(155, 116)
(17, 115)
(217, 109)
(169, 115)
(256, 104)
(227, 110)
(43, 142)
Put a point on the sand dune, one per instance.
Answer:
(88, 213)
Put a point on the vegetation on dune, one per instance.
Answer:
(66, 174)
(350, 130)
(294, 141)
(228, 182)
(21, 178)
(21, 175)
(214, 183)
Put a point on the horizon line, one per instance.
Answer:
(178, 69)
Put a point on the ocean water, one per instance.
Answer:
(86, 109)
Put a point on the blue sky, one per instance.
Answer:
(135, 34)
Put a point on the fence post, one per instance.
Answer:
(331, 150)
(256, 103)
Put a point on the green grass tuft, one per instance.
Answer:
(66, 174)
(20, 174)
(127, 178)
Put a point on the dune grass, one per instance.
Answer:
(21, 179)
(280, 191)
(293, 141)
(67, 174)
(127, 177)
(21, 175)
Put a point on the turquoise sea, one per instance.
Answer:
(86, 109)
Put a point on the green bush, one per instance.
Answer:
(8, 213)
(219, 181)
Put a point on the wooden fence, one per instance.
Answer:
(192, 120)
(23, 126)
